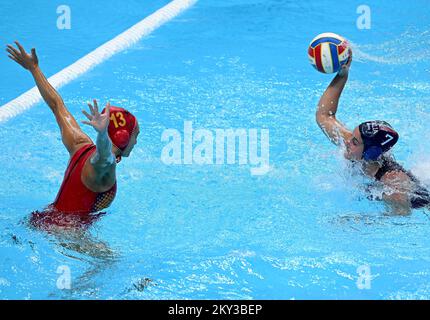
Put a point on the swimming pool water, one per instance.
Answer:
(218, 232)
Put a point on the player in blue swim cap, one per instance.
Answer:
(368, 145)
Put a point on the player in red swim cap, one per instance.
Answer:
(368, 145)
(89, 183)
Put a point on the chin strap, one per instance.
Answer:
(118, 159)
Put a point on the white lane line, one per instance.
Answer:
(105, 51)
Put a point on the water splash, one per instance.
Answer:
(409, 47)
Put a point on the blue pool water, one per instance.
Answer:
(218, 232)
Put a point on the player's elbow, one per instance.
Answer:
(321, 117)
(318, 117)
(56, 105)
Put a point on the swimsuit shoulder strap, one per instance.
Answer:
(388, 164)
(420, 196)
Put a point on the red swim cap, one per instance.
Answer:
(121, 126)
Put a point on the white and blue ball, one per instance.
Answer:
(328, 52)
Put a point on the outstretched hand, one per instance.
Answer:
(345, 68)
(99, 121)
(27, 61)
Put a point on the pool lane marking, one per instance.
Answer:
(119, 43)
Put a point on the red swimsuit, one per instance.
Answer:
(74, 196)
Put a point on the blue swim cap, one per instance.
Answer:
(378, 137)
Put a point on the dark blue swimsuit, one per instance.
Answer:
(420, 197)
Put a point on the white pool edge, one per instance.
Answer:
(121, 42)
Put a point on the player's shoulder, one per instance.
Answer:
(395, 176)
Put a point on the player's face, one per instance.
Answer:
(354, 146)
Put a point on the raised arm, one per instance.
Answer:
(72, 135)
(327, 108)
(99, 172)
